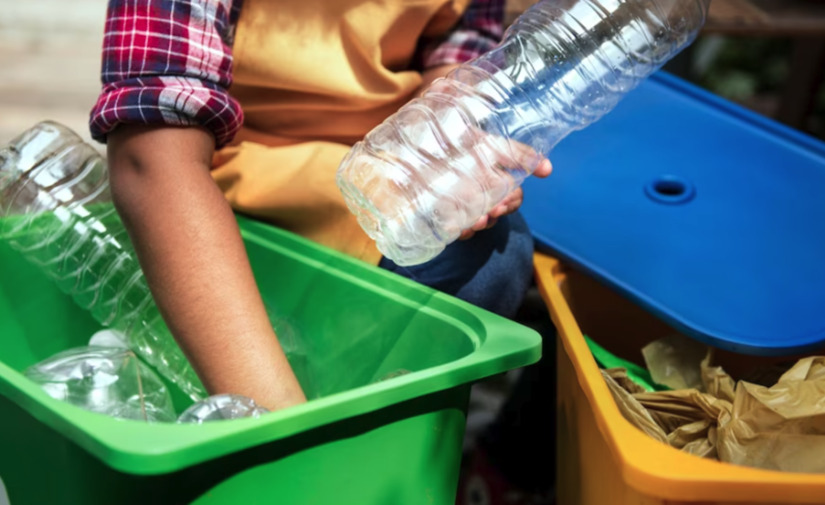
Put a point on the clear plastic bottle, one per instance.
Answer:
(107, 380)
(56, 209)
(221, 407)
(447, 158)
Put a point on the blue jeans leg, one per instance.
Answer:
(492, 270)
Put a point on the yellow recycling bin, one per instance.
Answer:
(602, 458)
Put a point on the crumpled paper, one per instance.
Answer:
(687, 419)
(781, 427)
(674, 361)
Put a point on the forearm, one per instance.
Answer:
(192, 254)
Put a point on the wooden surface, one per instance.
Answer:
(49, 62)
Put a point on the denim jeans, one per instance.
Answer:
(492, 270)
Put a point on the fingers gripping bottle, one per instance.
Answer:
(55, 208)
(447, 158)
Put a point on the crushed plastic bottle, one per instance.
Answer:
(221, 408)
(448, 157)
(56, 209)
(106, 380)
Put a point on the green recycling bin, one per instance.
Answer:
(391, 361)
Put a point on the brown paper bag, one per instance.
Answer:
(621, 387)
(781, 427)
(686, 419)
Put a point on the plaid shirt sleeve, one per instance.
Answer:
(478, 31)
(168, 62)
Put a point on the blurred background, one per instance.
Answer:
(768, 55)
(49, 62)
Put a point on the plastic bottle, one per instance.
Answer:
(107, 380)
(447, 158)
(221, 408)
(55, 208)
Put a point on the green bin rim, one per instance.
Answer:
(146, 449)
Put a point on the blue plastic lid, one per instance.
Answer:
(708, 215)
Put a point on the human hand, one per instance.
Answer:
(500, 160)
(514, 199)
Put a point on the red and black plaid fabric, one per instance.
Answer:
(169, 62)
(478, 31)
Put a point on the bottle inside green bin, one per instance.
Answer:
(56, 210)
(107, 380)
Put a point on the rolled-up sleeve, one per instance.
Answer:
(478, 31)
(168, 62)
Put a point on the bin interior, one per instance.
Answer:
(357, 324)
(352, 335)
(623, 327)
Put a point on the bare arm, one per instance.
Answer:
(192, 254)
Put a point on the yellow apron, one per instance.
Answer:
(313, 77)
